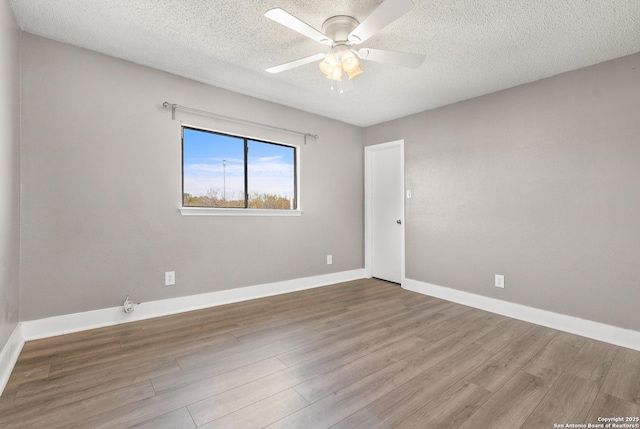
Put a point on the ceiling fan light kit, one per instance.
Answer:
(341, 60)
(341, 32)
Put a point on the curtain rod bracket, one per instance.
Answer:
(313, 136)
(173, 109)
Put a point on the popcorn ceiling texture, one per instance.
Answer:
(473, 47)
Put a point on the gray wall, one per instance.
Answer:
(540, 183)
(101, 187)
(9, 172)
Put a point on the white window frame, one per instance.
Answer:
(225, 211)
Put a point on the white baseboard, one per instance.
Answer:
(68, 323)
(598, 331)
(9, 355)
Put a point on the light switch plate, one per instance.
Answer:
(169, 278)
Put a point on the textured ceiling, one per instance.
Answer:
(473, 47)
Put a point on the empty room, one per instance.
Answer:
(309, 214)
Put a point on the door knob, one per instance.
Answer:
(399, 222)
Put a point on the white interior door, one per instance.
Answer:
(386, 211)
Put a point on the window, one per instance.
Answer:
(225, 171)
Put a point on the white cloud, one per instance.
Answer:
(214, 169)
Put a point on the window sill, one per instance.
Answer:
(209, 211)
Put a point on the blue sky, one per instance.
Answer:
(271, 167)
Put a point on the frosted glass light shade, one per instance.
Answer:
(350, 62)
(329, 65)
(354, 74)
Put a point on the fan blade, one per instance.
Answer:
(283, 17)
(391, 57)
(385, 14)
(294, 64)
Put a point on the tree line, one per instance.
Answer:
(255, 200)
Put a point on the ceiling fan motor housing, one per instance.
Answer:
(338, 28)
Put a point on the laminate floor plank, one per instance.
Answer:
(593, 361)
(214, 352)
(502, 366)
(49, 348)
(551, 360)
(332, 381)
(77, 381)
(125, 330)
(481, 326)
(27, 374)
(193, 374)
(53, 343)
(59, 355)
(198, 330)
(360, 354)
(59, 416)
(449, 409)
(408, 328)
(623, 379)
(261, 413)
(607, 406)
(356, 317)
(283, 325)
(455, 321)
(178, 419)
(217, 406)
(438, 374)
(499, 338)
(172, 349)
(150, 408)
(372, 301)
(328, 346)
(26, 405)
(332, 409)
(372, 333)
(340, 405)
(360, 319)
(510, 406)
(230, 314)
(362, 419)
(8, 396)
(568, 400)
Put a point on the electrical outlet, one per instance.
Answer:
(329, 259)
(169, 278)
(408, 194)
(500, 281)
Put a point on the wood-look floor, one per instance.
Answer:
(363, 354)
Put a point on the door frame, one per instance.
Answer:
(368, 151)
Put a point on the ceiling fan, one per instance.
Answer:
(341, 33)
